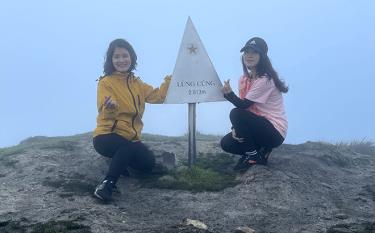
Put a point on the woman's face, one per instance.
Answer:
(121, 59)
(251, 58)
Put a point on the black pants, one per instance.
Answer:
(256, 130)
(124, 153)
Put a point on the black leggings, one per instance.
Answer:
(257, 132)
(124, 153)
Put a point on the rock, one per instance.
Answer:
(169, 160)
(195, 223)
(164, 162)
(244, 230)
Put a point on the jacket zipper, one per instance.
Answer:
(139, 102)
(136, 109)
(114, 126)
(116, 121)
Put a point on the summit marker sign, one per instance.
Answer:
(194, 78)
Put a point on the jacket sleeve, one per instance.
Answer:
(157, 95)
(239, 103)
(104, 90)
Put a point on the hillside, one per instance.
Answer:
(312, 187)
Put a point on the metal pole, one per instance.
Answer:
(192, 144)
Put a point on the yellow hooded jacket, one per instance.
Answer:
(130, 93)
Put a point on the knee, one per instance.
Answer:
(235, 114)
(222, 144)
(102, 148)
(225, 145)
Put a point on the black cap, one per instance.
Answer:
(256, 43)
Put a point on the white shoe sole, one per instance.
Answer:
(98, 196)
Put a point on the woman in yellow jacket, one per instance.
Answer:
(121, 102)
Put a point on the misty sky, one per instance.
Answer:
(51, 53)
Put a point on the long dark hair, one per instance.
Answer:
(119, 43)
(263, 67)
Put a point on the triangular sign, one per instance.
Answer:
(194, 78)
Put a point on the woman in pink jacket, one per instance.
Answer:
(258, 120)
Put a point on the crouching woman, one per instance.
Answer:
(121, 98)
(259, 121)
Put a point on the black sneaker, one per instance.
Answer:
(264, 154)
(104, 190)
(242, 164)
(116, 190)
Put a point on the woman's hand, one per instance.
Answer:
(168, 77)
(109, 103)
(234, 136)
(226, 88)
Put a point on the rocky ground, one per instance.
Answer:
(47, 183)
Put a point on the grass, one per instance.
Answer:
(220, 162)
(212, 172)
(362, 147)
(198, 179)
